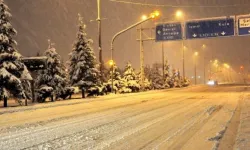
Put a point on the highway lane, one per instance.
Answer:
(191, 118)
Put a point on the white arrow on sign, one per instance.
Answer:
(223, 33)
(159, 32)
(194, 35)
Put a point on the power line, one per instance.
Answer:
(178, 6)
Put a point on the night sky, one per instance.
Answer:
(39, 20)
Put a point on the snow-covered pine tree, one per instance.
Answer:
(54, 75)
(147, 82)
(106, 73)
(129, 77)
(147, 71)
(156, 78)
(118, 83)
(175, 80)
(12, 70)
(186, 82)
(180, 79)
(167, 74)
(83, 70)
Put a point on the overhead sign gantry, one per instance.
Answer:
(209, 28)
(204, 28)
(243, 25)
(169, 31)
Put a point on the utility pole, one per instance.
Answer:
(100, 37)
(141, 40)
(141, 58)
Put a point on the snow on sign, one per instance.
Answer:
(243, 25)
(168, 32)
(35, 63)
(209, 28)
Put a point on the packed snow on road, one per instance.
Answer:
(191, 118)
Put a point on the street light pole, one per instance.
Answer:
(119, 33)
(152, 16)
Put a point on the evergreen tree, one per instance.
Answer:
(186, 82)
(156, 78)
(117, 79)
(129, 77)
(83, 70)
(176, 79)
(147, 83)
(167, 75)
(13, 73)
(147, 71)
(180, 79)
(54, 75)
(106, 73)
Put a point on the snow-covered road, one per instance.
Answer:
(192, 118)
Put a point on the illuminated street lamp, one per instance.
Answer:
(196, 54)
(112, 63)
(179, 14)
(157, 13)
(144, 17)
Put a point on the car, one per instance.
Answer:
(212, 82)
